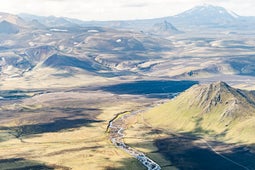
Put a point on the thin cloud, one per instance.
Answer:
(136, 5)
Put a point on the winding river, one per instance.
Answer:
(116, 131)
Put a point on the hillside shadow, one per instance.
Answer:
(22, 164)
(47, 119)
(70, 111)
(187, 153)
(59, 61)
(245, 67)
(150, 88)
(55, 126)
(16, 94)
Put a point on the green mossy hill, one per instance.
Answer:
(209, 109)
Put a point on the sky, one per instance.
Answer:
(118, 9)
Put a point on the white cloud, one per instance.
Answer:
(117, 9)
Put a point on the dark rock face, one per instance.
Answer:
(165, 28)
(234, 102)
(8, 28)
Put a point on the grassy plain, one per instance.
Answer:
(64, 130)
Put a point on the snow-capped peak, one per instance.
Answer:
(209, 11)
(233, 14)
(118, 40)
(207, 15)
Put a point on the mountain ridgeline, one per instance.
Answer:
(203, 16)
(209, 109)
(209, 97)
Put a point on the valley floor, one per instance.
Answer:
(65, 128)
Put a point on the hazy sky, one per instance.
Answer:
(118, 9)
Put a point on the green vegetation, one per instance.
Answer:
(64, 130)
(216, 110)
(127, 164)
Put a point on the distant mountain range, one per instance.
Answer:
(204, 16)
(207, 16)
(199, 17)
(109, 48)
(50, 21)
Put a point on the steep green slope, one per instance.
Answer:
(216, 110)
